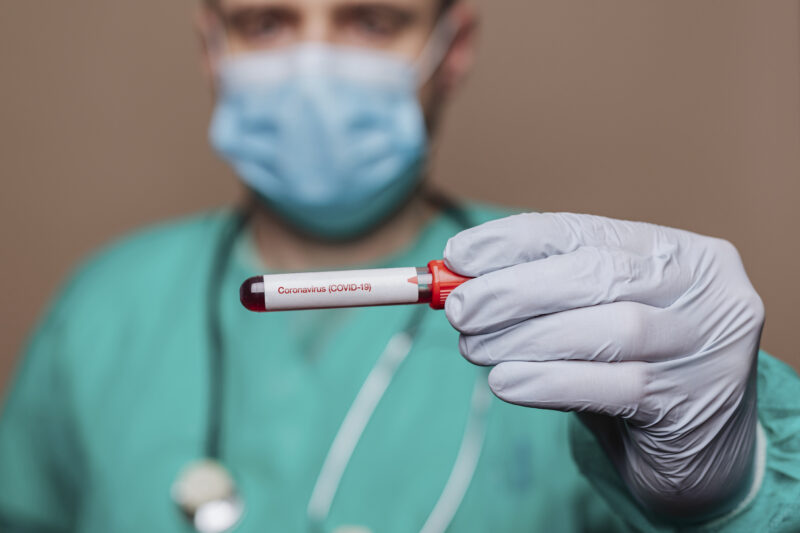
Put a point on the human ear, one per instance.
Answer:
(209, 33)
(457, 63)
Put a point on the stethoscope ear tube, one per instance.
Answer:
(357, 418)
(469, 452)
(359, 415)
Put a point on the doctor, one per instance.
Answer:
(149, 400)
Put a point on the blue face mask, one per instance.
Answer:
(333, 138)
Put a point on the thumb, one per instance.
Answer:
(611, 389)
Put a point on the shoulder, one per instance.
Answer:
(779, 385)
(153, 245)
(119, 299)
(140, 267)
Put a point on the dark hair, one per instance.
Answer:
(444, 5)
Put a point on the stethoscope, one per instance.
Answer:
(205, 491)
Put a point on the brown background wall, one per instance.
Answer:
(678, 112)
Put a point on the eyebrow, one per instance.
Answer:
(397, 4)
(284, 4)
(256, 4)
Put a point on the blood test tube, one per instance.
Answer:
(351, 288)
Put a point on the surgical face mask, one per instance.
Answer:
(333, 138)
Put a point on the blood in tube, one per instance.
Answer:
(351, 288)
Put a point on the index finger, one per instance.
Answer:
(527, 237)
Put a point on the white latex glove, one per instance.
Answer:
(651, 333)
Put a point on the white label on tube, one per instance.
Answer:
(348, 288)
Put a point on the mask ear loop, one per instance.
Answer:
(436, 49)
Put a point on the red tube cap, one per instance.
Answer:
(444, 282)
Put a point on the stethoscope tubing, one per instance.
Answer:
(358, 416)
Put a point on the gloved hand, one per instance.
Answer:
(651, 333)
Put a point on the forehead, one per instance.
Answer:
(331, 4)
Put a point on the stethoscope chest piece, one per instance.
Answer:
(207, 496)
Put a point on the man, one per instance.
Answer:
(363, 419)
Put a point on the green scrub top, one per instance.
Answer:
(110, 403)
